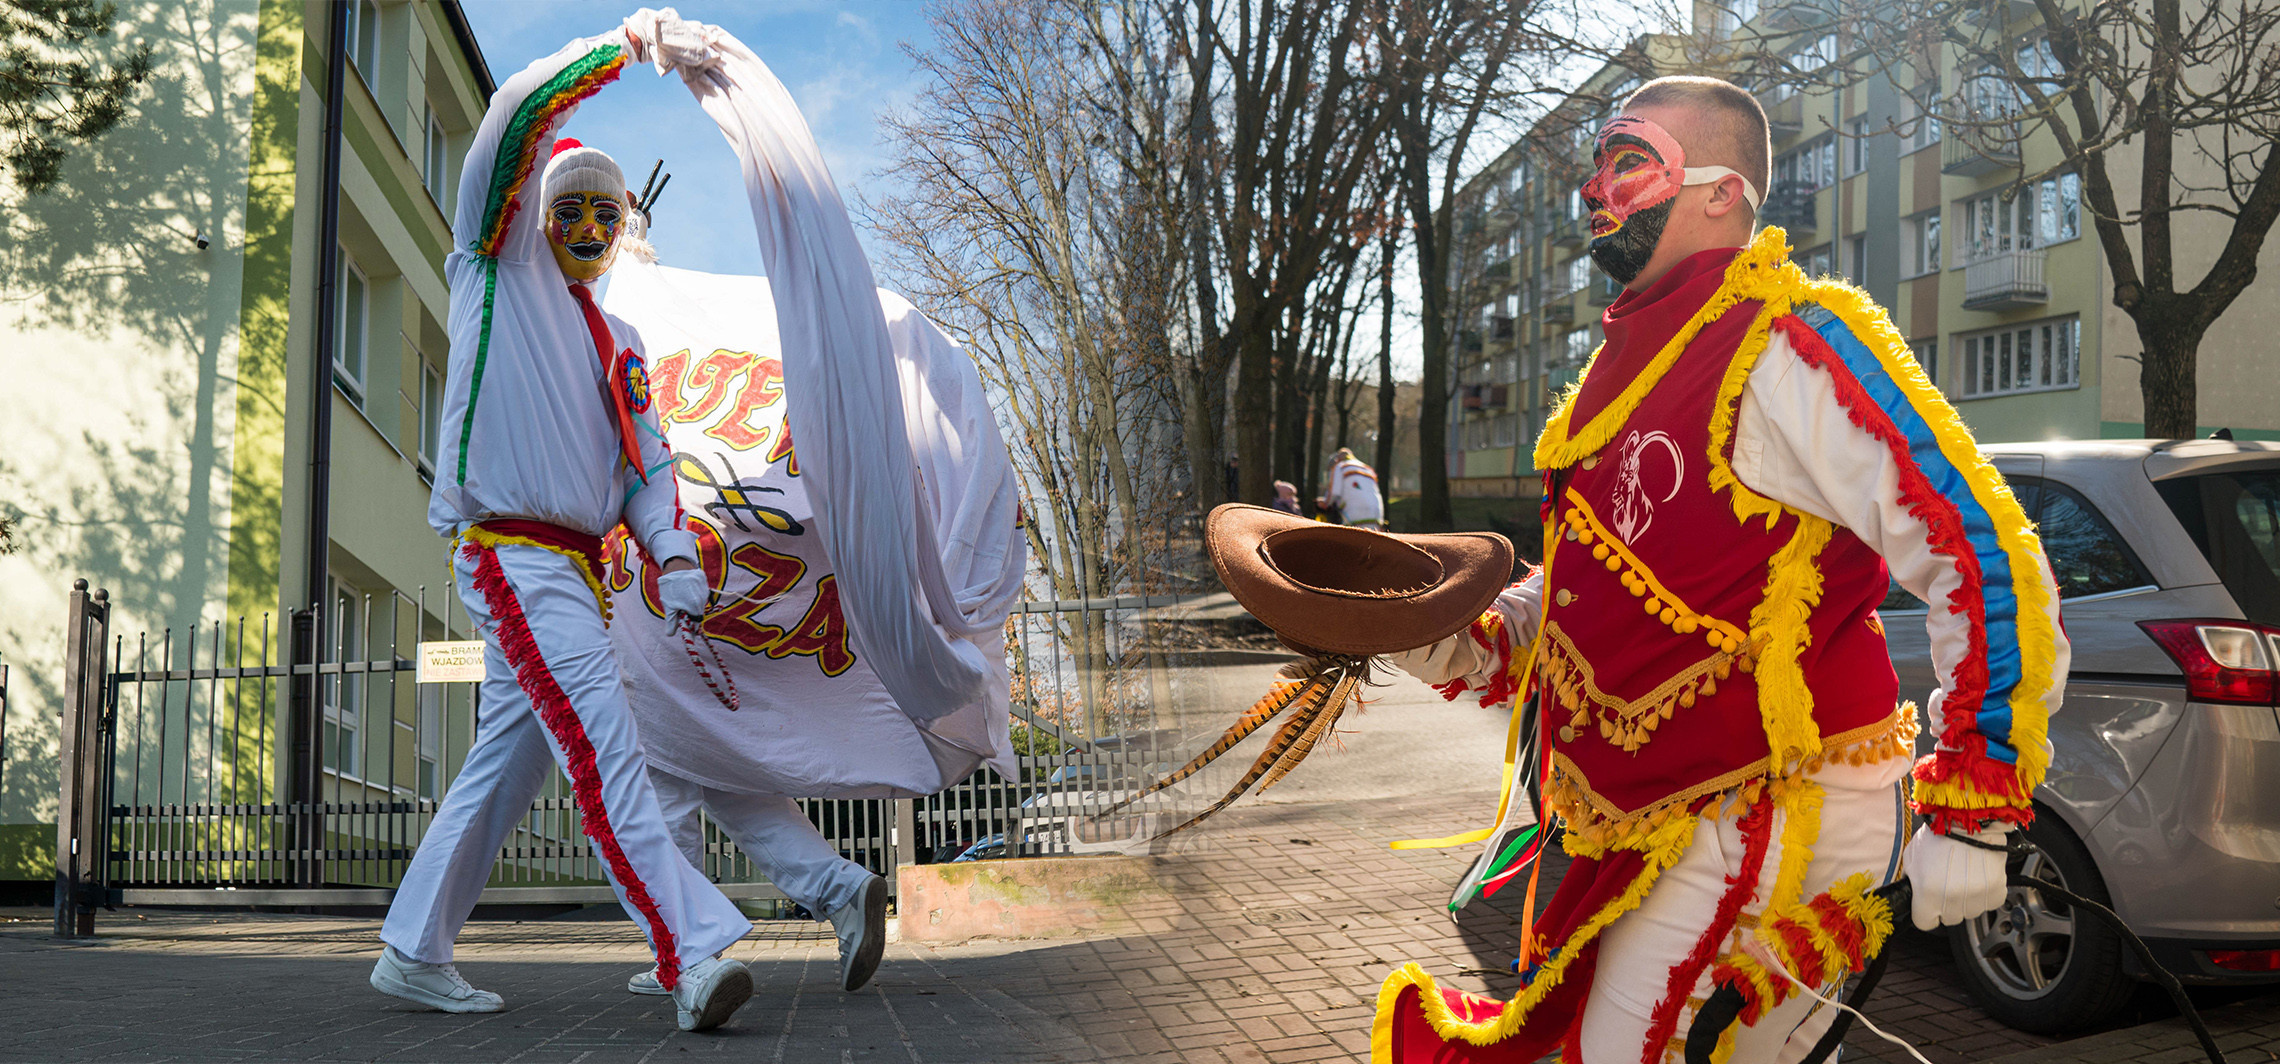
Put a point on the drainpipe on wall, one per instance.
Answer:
(307, 754)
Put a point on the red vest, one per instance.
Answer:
(1656, 604)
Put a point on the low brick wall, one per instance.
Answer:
(1031, 897)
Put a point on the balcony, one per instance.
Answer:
(1791, 206)
(1559, 310)
(1572, 232)
(1977, 152)
(1786, 118)
(1499, 327)
(2006, 280)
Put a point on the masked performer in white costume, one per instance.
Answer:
(811, 718)
(548, 443)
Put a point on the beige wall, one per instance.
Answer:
(117, 442)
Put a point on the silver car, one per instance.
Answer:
(2163, 796)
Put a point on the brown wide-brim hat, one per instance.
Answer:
(1354, 590)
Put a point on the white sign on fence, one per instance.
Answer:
(453, 661)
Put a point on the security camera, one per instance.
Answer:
(201, 240)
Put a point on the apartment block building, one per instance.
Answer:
(2000, 285)
(180, 455)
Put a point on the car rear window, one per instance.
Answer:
(2234, 517)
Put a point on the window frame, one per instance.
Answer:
(1983, 380)
(1856, 153)
(431, 415)
(342, 709)
(363, 37)
(1914, 229)
(352, 382)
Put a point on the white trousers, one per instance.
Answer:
(552, 696)
(771, 830)
(1863, 826)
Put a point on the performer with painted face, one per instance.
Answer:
(549, 442)
(1724, 492)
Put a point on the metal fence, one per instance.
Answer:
(297, 763)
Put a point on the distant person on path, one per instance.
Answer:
(1286, 497)
(549, 442)
(1353, 492)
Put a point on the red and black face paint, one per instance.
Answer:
(1639, 169)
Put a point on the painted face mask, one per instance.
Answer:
(1640, 169)
(583, 228)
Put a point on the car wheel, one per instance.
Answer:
(2034, 963)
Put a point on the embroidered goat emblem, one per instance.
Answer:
(1634, 508)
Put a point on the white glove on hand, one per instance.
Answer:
(668, 40)
(685, 592)
(1954, 881)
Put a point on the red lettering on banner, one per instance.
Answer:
(778, 574)
(763, 388)
(821, 634)
(783, 449)
(691, 389)
(617, 575)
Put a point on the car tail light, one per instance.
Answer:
(2225, 661)
(2246, 960)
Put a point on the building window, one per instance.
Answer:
(2039, 356)
(1578, 348)
(349, 337)
(1808, 169)
(1856, 146)
(1818, 262)
(431, 414)
(1578, 273)
(343, 694)
(363, 35)
(1920, 250)
(1921, 128)
(2044, 213)
(1927, 352)
(435, 161)
(1856, 260)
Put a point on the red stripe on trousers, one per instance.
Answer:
(1757, 832)
(554, 709)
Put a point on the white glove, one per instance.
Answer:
(685, 592)
(1954, 881)
(1438, 663)
(668, 40)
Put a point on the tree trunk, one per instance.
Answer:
(1385, 416)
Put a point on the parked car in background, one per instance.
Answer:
(2163, 796)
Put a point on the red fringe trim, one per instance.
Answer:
(1740, 888)
(1842, 927)
(1753, 1006)
(1960, 728)
(546, 696)
(1945, 821)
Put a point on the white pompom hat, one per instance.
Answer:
(577, 168)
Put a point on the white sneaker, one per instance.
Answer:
(710, 991)
(438, 986)
(646, 984)
(862, 928)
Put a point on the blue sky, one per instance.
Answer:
(842, 60)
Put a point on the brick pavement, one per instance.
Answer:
(1281, 921)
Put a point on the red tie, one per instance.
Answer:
(612, 378)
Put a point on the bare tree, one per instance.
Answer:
(1025, 234)
(1295, 131)
(2167, 110)
(1445, 62)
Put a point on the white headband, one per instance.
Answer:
(1703, 175)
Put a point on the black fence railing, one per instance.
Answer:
(244, 765)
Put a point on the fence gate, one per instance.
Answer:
(239, 765)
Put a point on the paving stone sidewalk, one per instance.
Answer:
(1280, 922)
